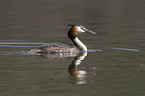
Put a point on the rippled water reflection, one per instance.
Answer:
(119, 70)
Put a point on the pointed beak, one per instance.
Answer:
(92, 32)
(89, 31)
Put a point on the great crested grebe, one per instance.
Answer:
(59, 47)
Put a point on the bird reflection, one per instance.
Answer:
(77, 76)
(57, 56)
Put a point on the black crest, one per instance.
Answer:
(73, 24)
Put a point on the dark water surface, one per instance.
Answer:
(113, 66)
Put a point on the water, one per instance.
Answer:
(113, 66)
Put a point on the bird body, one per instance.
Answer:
(60, 47)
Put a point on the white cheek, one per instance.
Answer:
(80, 30)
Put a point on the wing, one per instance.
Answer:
(56, 47)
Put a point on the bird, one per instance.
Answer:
(61, 47)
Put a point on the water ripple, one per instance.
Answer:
(16, 53)
(19, 43)
(14, 44)
(123, 49)
(94, 50)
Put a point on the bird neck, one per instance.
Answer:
(79, 44)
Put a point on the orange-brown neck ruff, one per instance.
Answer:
(72, 33)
